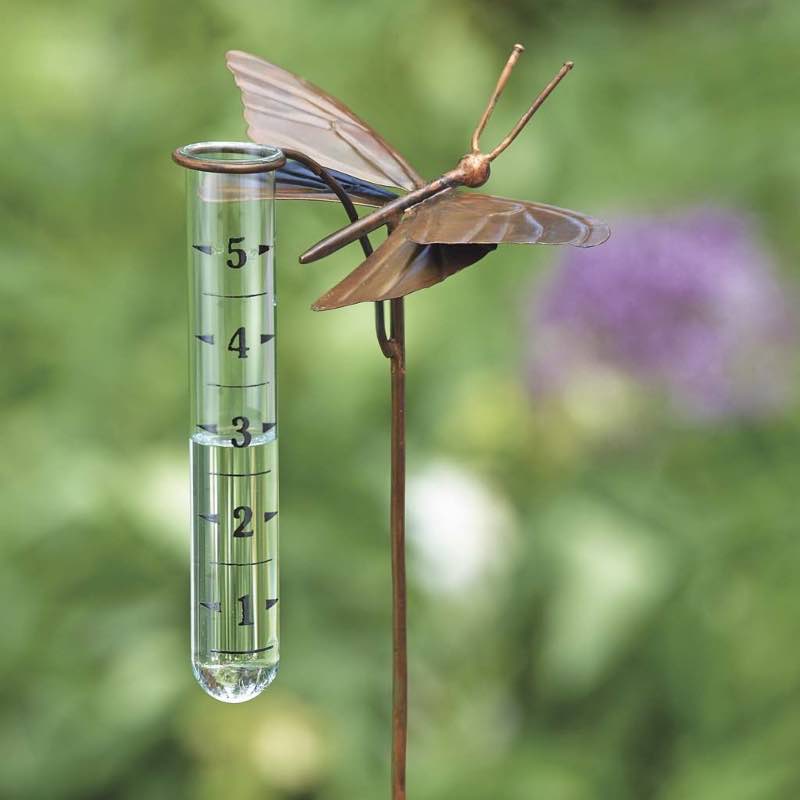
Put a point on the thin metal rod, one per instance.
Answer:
(380, 330)
(394, 348)
(525, 118)
(397, 525)
(498, 90)
(375, 219)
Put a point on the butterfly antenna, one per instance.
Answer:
(525, 118)
(516, 52)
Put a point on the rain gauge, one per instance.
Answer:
(434, 230)
(235, 640)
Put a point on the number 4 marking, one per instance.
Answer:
(241, 348)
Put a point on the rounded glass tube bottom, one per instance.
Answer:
(235, 623)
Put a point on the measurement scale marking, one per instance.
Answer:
(212, 606)
(234, 296)
(212, 427)
(208, 249)
(205, 337)
(240, 563)
(213, 518)
(268, 515)
(238, 385)
(240, 474)
(244, 652)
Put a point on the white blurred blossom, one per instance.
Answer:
(460, 530)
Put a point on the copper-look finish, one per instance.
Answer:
(435, 230)
(525, 118)
(450, 231)
(336, 190)
(397, 525)
(516, 51)
(251, 158)
(287, 111)
(297, 181)
(284, 191)
(392, 210)
(400, 266)
(472, 170)
(394, 348)
(458, 217)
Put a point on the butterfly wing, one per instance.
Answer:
(451, 231)
(401, 266)
(285, 110)
(295, 181)
(454, 217)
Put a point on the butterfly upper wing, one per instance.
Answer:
(401, 266)
(285, 110)
(454, 217)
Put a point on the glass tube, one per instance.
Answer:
(233, 440)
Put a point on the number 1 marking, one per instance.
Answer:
(247, 617)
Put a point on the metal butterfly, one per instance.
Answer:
(436, 228)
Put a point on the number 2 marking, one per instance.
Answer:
(247, 513)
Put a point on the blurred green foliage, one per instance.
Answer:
(639, 638)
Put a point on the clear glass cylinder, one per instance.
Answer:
(235, 625)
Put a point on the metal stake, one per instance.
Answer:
(394, 348)
(397, 524)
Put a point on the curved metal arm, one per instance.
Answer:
(335, 187)
(344, 198)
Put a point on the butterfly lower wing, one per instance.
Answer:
(285, 110)
(295, 181)
(400, 266)
(454, 217)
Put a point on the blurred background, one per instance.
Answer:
(603, 445)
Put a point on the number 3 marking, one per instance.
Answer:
(243, 424)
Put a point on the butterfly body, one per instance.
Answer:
(436, 228)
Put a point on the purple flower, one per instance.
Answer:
(690, 306)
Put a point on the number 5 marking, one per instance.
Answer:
(241, 256)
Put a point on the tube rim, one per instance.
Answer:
(254, 157)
